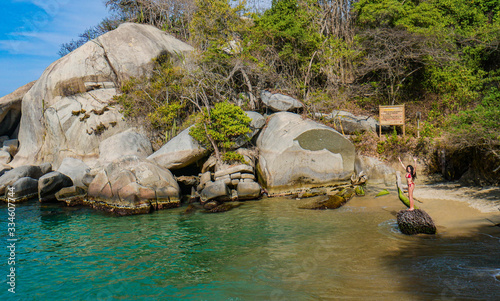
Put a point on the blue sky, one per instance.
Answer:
(32, 31)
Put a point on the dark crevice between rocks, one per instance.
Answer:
(9, 126)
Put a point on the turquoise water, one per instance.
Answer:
(263, 250)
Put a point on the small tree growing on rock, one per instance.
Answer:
(218, 128)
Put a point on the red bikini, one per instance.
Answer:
(408, 176)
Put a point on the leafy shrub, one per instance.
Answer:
(219, 127)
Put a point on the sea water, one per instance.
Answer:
(263, 250)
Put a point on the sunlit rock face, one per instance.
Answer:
(295, 153)
(70, 109)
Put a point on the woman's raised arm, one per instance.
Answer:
(404, 167)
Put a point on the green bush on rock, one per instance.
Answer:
(218, 128)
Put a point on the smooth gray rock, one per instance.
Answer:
(217, 190)
(248, 190)
(11, 176)
(296, 153)
(49, 184)
(279, 102)
(69, 110)
(181, 151)
(132, 185)
(75, 169)
(258, 121)
(22, 189)
(124, 144)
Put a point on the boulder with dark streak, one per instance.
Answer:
(50, 184)
(415, 221)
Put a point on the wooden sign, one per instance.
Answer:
(392, 115)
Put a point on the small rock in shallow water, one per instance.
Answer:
(224, 207)
(415, 222)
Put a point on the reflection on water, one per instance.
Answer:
(265, 250)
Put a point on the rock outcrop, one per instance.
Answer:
(181, 151)
(128, 143)
(133, 185)
(415, 222)
(70, 109)
(296, 153)
(280, 103)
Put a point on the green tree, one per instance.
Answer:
(219, 127)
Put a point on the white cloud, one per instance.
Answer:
(27, 50)
(58, 22)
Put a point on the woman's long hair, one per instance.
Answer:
(413, 173)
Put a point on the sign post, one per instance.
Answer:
(392, 115)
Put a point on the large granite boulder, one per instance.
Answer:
(415, 221)
(295, 153)
(10, 110)
(75, 169)
(279, 102)
(132, 185)
(49, 184)
(181, 151)
(124, 144)
(70, 109)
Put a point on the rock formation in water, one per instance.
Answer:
(296, 152)
(69, 118)
(330, 201)
(132, 185)
(415, 222)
